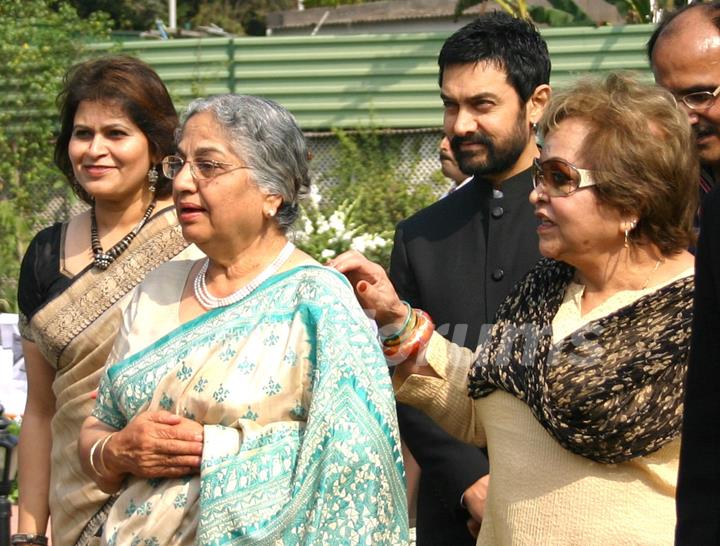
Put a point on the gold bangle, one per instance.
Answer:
(102, 451)
(92, 456)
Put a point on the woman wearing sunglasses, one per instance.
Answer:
(265, 350)
(577, 389)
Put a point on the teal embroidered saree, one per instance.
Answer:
(301, 443)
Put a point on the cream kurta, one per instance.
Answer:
(541, 493)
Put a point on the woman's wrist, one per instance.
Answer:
(393, 317)
(397, 326)
(104, 474)
(29, 538)
(408, 343)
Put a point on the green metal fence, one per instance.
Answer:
(384, 81)
(387, 81)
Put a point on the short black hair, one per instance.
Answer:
(712, 10)
(511, 44)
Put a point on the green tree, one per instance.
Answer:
(125, 14)
(239, 16)
(568, 13)
(334, 3)
(39, 41)
(378, 175)
(641, 11)
(516, 8)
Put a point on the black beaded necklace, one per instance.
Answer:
(104, 259)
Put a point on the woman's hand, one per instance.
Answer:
(372, 287)
(156, 444)
(474, 500)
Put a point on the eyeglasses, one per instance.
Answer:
(700, 99)
(560, 178)
(200, 170)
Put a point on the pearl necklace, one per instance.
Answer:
(208, 301)
(102, 260)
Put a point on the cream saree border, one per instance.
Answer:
(75, 332)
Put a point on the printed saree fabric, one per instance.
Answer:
(300, 433)
(75, 332)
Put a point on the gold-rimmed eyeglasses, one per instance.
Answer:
(201, 169)
(700, 100)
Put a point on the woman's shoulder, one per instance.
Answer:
(40, 269)
(311, 274)
(48, 238)
(677, 267)
(546, 274)
(172, 272)
(319, 289)
(161, 290)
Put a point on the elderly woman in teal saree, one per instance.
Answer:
(278, 364)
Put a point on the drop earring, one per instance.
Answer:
(152, 178)
(627, 233)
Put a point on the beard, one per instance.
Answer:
(500, 154)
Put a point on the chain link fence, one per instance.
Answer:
(419, 146)
(324, 150)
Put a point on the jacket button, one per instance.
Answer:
(498, 274)
(497, 212)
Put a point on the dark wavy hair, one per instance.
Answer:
(510, 44)
(140, 93)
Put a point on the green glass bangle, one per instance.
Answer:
(396, 335)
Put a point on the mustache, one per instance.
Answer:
(475, 138)
(705, 129)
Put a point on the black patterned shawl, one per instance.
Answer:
(613, 389)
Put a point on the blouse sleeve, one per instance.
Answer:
(39, 266)
(106, 409)
(445, 399)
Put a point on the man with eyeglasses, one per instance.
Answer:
(684, 52)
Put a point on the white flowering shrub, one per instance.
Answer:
(374, 185)
(324, 236)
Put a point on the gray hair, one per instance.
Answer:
(267, 138)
